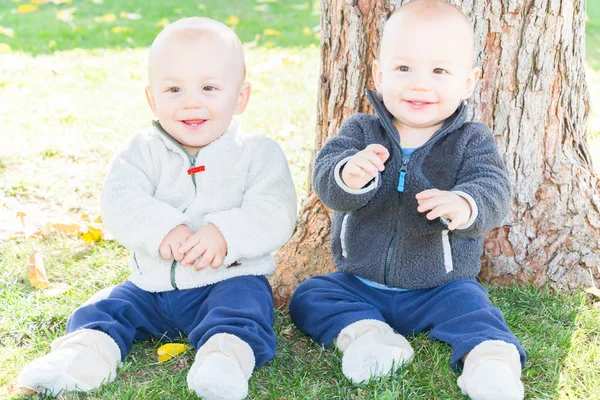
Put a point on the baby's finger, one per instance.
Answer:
(456, 223)
(189, 243)
(354, 170)
(381, 152)
(206, 259)
(375, 160)
(427, 194)
(177, 254)
(217, 262)
(430, 203)
(368, 167)
(438, 212)
(165, 250)
(193, 254)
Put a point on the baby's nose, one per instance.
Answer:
(192, 100)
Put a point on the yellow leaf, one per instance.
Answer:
(5, 48)
(85, 217)
(271, 32)
(7, 31)
(132, 16)
(67, 228)
(110, 17)
(25, 8)
(162, 23)
(37, 271)
(39, 1)
(99, 219)
(21, 215)
(120, 29)
(201, 6)
(307, 30)
(92, 235)
(170, 350)
(232, 20)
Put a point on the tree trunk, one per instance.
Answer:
(533, 96)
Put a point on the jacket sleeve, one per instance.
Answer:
(267, 217)
(330, 161)
(483, 182)
(129, 211)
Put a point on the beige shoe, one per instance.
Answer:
(79, 361)
(492, 372)
(222, 368)
(372, 349)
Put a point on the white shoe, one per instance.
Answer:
(79, 361)
(372, 349)
(222, 368)
(492, 372)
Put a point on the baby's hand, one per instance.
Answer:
(207, 243)
(169, 248)
(444, 204)
(362, 167)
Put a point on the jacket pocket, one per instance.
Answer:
(447, 249)
(343, 235)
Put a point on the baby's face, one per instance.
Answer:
(196, 87)
(424, 71)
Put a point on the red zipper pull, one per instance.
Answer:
(196, 169)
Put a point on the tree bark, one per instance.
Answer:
(533, 96)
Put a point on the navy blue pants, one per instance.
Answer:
(241, 306)
(458, 313)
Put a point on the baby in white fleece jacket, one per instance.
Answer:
(201, 207)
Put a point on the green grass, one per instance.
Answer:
(41, 32)
(65, 111)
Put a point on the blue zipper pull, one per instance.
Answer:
(402, 176)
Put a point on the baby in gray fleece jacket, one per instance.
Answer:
(414, 190)
(201, 207)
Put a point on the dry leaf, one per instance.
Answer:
(67, 228)
(232, 20)
(37, 271)
(5, 48)
(99, 219)
(593, 291)
(110, 17)
(56, 290)
(25, 8)
(21, 215)
(271, 32)
(92, 235)
(85, 217)
(170, 350)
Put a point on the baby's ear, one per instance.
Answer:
(243, 98)
(150, 98)
(470, 82)
(377, 75)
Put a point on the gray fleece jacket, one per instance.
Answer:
(377, 232)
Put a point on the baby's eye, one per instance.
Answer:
(439, 71)
(209, 88)
(403, 68)
(174, 89)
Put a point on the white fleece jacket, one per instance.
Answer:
(246, 190)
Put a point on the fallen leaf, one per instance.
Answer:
(132, 16)
(37, 271)
(7, 31)
(56, 290)
(99, 219)
(162, 23)
(593, 291)
(92, 235)
(170, 350)
(26, 8)
(271, 32)
(110, 17)
(21, 215)
(5, 48)
(66, 15)
(120, 29)
(232, 20)
(67, 228)
(85, 217)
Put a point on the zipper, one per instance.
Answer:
(447, 251)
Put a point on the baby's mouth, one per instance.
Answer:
(193, 123)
